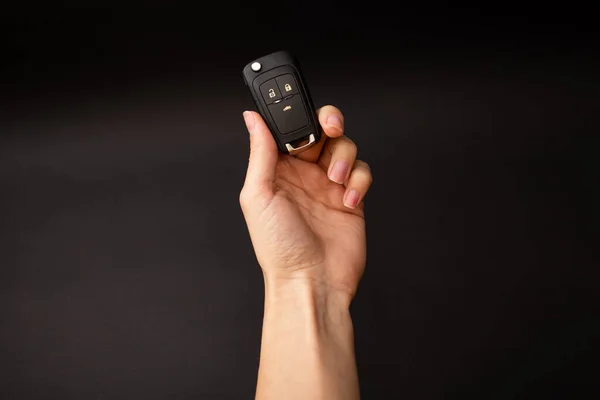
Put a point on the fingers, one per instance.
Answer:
(338, 158)
(332, 122)
(262, 164)
(335, 153)
(358, 184)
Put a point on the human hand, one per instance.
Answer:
(305, 213)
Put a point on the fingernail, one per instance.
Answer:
(351, 198)
(333, 121)
(249, 120)
(339, 171)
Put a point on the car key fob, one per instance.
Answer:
(283, 100)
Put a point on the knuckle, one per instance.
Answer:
(362, 164)
(365, 175)
(244, 198)
(344, 144)
(347, 141)
(253, 194)
(365, 171)
(353, 147)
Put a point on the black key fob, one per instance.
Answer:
(283, 100)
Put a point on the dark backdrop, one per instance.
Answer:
(126, 271)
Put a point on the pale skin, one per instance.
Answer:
(305, 217)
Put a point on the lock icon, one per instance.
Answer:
(272, 93)
(287, 87)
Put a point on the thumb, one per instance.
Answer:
(262, 164)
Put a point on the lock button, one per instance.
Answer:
(287, 85)
(270, 92)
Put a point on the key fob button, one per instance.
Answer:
(270, 92)
(289, 114)
(287, 84)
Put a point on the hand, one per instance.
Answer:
(305, 213)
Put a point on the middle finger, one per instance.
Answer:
(332, 122)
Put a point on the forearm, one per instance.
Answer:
(307, 349)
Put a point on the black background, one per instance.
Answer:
(125, 267)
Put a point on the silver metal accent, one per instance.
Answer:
(256, 66)
(295, 150)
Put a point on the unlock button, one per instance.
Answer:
(270, 92)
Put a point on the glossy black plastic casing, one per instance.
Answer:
(273, 65)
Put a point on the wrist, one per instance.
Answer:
(305, 293)
(307, 309)
(307, 339)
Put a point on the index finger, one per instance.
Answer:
(332, 122)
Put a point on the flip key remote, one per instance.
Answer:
(283, 100)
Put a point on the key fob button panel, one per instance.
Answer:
(289, 114)
(270, 92)
(287, 84)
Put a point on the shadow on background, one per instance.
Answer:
(125, 265)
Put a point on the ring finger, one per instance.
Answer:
(337, 158)
(359, 183)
